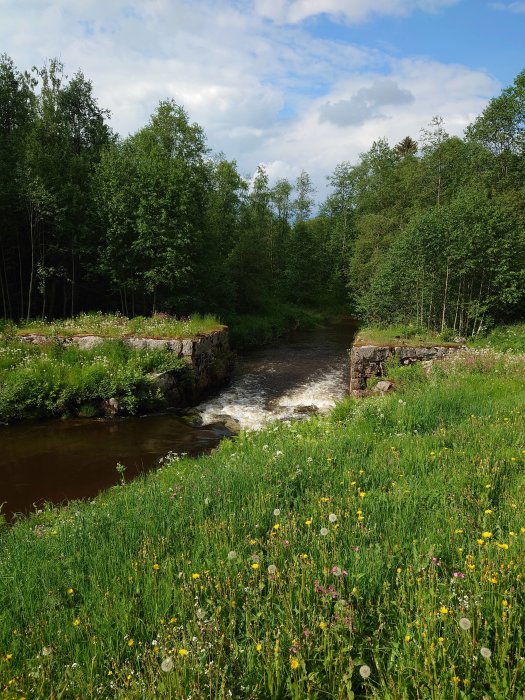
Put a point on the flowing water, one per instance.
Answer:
(57, 461)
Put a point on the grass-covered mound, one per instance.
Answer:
(51, 380)
(117, 326)
(378, 553)
(403, 334)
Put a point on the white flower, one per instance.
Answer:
(465, 623)
(332, 518)
(232, 554)
(323, 531)
(485, 653)
(167, 665)
(277, 512)
(365, 671)
(272, 569)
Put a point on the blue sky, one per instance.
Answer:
(291, 84)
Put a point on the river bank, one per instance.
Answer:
(373, 553)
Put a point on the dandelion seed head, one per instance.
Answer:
(465, 623)
(332, 518)
(232, 554)
(485, 652)
(323, 531)
(277, 512)
(272, 569)
(365, 671)
(167, 665)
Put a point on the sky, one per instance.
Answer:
(289, 84)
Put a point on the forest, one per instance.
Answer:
(429, 231)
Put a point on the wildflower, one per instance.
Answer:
(480, 541)
(277, 512)
(272, 570)
(362, 494)
(183, 652)
(458, 532)
(455, 679)
(502, 545)
(195, 576)
(76, 622)
(443, 610)
(156, 567)
(365, 671)
(332, 518)
(322, 625)
(407, 637)
(253, 541)
(258, 646)
(276, 526)
(488, 511)
(232, 554)
(167, 665)
(485, 652)
(47, 651)
(486, 535)
(464, 623)
(131, 642)
(323, 531)
(294, 664)
(459, 574)
(70, 591)
(308, 522)
(336, 570)
(255, 565)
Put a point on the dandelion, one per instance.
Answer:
(131, 642)
(167, 664)
(485, 652)
(294, 664)
(255, 566)
(323, 531)
(407, 637)
(156, 567)
(443, 610)
(232, 554)
(76, 622)
(486, 535)
(258, 646)
(465, 623)
(308, 522)
(365, 671)
(322, 625)
(195, 576)
(200, 614)
(272, 570)
(277, 512)
(276, 526)
(183, 652)
(70, 591)
(332, 518)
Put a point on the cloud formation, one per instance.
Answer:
(516, 7)
(365, 104)
(351, 11)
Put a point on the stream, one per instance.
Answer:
(56, 461)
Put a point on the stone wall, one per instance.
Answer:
(208, 356)
(369, 360)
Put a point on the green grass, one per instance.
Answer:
(38, 381)
(291, 561)
(509, 338)
(117, 326)
(402, 335)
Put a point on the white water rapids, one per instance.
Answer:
(307, 373)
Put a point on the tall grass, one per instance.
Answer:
(53, 380)
(378, 553)
(117, 326)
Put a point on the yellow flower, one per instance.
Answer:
(362, 494)
(480, 541)
(458, 532)
(407, 637)
(131, 642)
(195, 576)
(276, 526)
(70, 591)
(183, 652)
(173, 620)
(505, 603)
(308, 522)
(8, 657)
(486, 535)
(488, 511)
(76, 622)
(255, 565)
(156, 567)
(258, 646)
(253, 541)
(322, 625)
(294, 664)
(502, 545)
(443, 610)
(304, 556)
(441, 640)
(494, 579)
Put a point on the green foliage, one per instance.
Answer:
(376, 553)
(54, 379)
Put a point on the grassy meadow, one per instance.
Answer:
(376, 553)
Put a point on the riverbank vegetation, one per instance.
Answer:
(57, 380)
(374, 553)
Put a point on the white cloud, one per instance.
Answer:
(352, 11)
(516, 7)
(264, 92)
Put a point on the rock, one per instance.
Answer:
(87, 342)
(110, 407)
(461, 341)
(229, 422)
(384, 387)
(307, 410)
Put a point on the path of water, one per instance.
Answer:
(60, 460)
